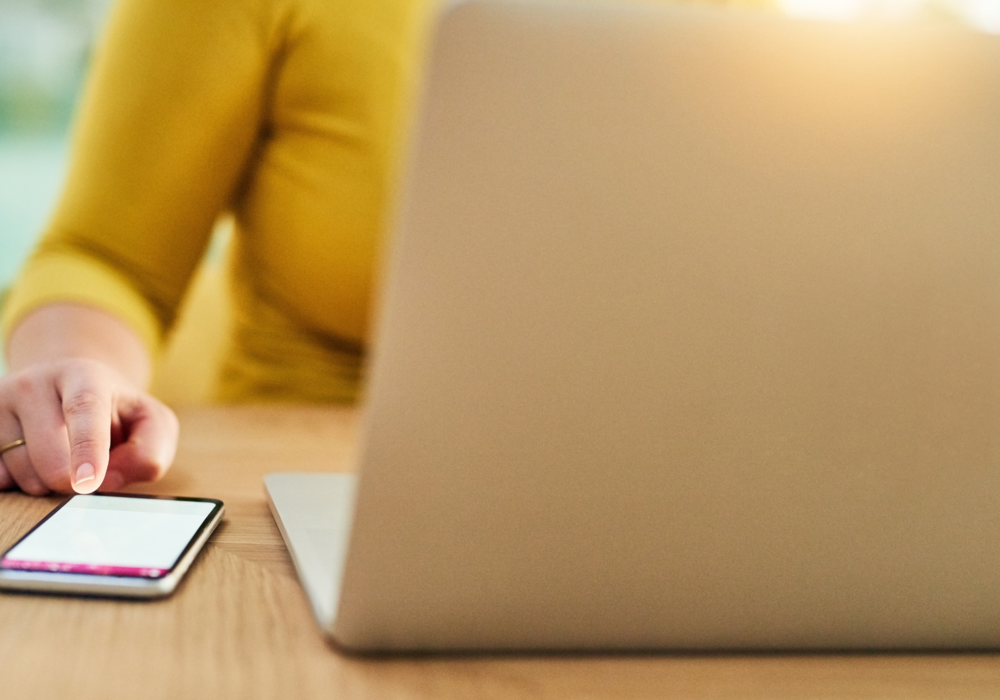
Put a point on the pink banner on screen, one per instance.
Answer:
(100, 570)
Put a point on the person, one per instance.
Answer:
(287, 114)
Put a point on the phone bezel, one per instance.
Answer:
(109, 585)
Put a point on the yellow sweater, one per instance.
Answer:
(287, 114)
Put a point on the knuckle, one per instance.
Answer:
(35, 474)
(26, 384)
(82, 404)
(77, 366)
(33, 487)
(150, 471)
(83, 443)
(114, 481)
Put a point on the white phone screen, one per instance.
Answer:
(112, 536)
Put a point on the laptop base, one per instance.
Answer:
(313, 513)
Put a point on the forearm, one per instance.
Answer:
(63, 330)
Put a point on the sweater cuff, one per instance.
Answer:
(66, 278)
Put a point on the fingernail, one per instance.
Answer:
(85, 472)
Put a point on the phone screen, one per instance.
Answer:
(112, 536)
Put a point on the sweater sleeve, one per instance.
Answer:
(170, 118)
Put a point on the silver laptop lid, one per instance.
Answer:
(691, 339)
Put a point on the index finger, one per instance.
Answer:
(87, 406)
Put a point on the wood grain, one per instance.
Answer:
(240, 626)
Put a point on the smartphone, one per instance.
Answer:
(112, 545)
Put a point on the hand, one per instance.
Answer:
(85, 427)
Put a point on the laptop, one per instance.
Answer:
(690, 340)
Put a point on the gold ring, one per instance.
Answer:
(11, 445)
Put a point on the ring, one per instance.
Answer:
(11, 445)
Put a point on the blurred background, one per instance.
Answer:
(44, 50)
(45, 46)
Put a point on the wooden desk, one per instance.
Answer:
(240, 626)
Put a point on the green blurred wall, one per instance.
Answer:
(44, 49)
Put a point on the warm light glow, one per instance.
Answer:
(849, 9)
(981, 14)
